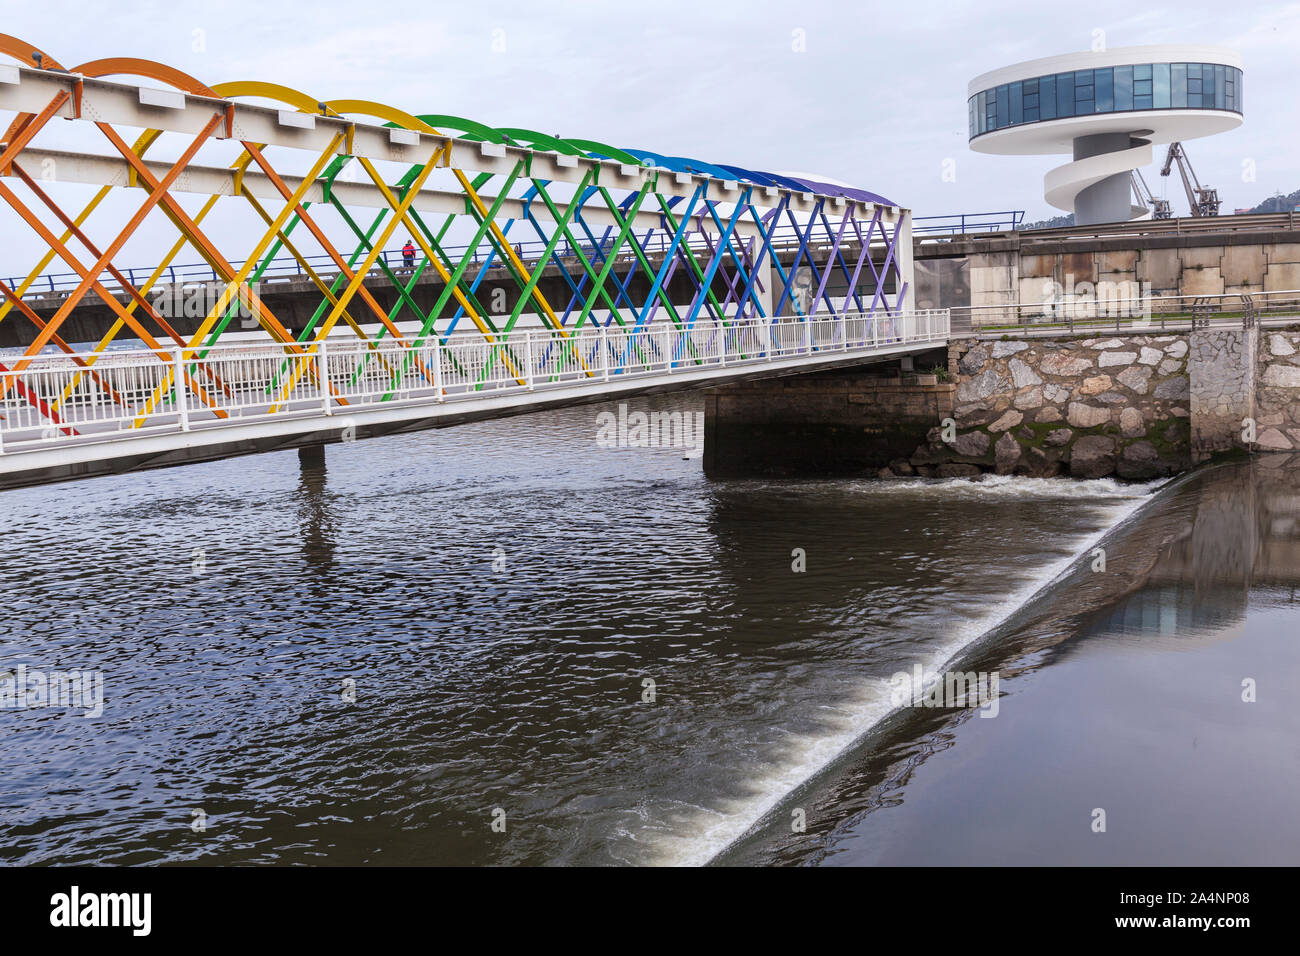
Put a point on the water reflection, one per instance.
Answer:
(1125, 689)
(315, 521)
(1242, 537)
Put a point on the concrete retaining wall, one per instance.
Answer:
(1007, 270)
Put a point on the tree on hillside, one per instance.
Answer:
(1279, 203)
(1053, 223)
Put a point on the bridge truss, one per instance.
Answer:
(332, 184)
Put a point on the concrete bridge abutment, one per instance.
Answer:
(836, 422)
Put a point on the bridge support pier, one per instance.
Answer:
(311, 456)
(838, 422)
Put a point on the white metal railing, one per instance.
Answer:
(63, 398)
(1100, 307)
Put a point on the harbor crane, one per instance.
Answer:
(1204, 200)
(1160, 208)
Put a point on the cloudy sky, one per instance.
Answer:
(870, 93)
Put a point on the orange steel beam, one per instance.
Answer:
(219, 263)
(136, 295)
(36, 320)
(110, 300)
(118, 323)
(310, 223)
(15, 300)
(142, 144)
(24, 51)
(92, 275)
(112, 270)
(205, 246)
(18, 142)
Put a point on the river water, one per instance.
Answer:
(504, 643)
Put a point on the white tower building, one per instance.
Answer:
(1106, 109)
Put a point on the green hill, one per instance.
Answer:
(1279, 203)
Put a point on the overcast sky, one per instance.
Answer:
(872, 94)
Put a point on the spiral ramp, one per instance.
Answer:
(1063, 184)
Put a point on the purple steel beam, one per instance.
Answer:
(884, 268)
(803, 246)
(865, 242)
(864, 252)
(838, 259)
(738, 262)
(767, 225)
(835, 251)
(751, 307)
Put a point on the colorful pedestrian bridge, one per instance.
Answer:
(549, 270)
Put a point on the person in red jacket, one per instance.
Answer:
(408, 255)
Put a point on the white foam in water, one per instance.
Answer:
(710, 831)
(1008, 486)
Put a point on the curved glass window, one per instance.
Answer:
(1114, 89)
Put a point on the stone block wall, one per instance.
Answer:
(1136, 406)
(1277, 391)
(1019, 268)
(1086, 408)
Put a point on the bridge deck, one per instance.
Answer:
(60, 419)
